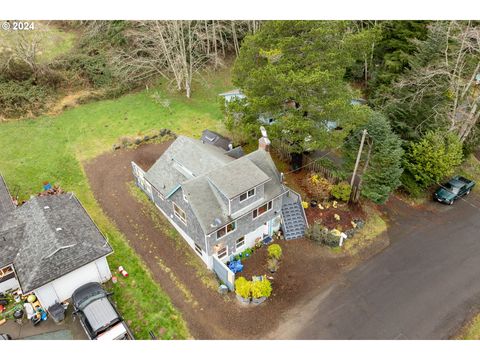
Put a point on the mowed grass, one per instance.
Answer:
(53, 148)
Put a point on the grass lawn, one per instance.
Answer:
(53, 147)
(471, 331)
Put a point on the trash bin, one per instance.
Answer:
(57, 312)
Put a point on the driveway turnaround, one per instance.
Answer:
(423, 286)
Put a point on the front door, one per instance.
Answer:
(266, 229)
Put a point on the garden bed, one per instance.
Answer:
(326, 216)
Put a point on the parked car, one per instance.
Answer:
(98, 315)
(453, 189)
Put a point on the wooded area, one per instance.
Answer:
(420, 80)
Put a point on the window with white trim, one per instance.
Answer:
(262, 209)
(240, 242)
(7, 270)
(226, 229)
(198, 249)
(247, 195)
(222, 252)
(179, 213)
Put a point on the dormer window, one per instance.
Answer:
(247, 195)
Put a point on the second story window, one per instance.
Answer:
(262, 209)
(226, 229)
(247, 195)
(179, 213)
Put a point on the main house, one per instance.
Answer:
(220, 200)
(49, 246)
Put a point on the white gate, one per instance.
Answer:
(224, 273)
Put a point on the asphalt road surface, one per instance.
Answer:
(423, 286)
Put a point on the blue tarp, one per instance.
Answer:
(235, 266)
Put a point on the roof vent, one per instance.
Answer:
(216, 222)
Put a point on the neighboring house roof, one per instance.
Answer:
(234, 92)
(6, 204)
(48, 237)
(210, 174)
(236, 153)
(213, 138)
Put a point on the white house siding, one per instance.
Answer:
(62, 289)
(10, 284)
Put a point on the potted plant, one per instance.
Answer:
(272, 265)
(243, 290)
(261, 290)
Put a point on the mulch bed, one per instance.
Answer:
(327, 216)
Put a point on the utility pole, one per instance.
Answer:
(358, 157)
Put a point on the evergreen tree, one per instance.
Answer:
(293, 71)
(380, 168)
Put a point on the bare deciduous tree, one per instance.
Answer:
(177, 50)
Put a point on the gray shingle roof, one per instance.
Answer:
(208, 170)
(184, 156)
(49, 237)
(236, 153)
(205, 203)
(6, 204)
(237, 177)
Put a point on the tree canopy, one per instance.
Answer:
(294, 72)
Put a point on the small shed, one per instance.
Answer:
(215, 139)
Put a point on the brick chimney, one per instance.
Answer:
(264, 141)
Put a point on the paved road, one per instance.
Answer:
(422, 287)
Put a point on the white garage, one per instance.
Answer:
(62, 289)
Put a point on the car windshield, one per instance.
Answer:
(453, 189)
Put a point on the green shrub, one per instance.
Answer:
(261, 288)
(243, 287)
(275, 251)
(410, 185)
(22, 98)
(92, 67)
(321, 235)
(341, 191)
(433, 158)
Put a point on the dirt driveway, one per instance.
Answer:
(305, 269)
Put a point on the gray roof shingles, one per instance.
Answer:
(237, 177)
(192, 154)
(6, 204)
(49, 237)
(212, 171)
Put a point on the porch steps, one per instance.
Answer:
(293, 224)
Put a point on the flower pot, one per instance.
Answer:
(259, 300)
(243, 300)
(313, 203)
